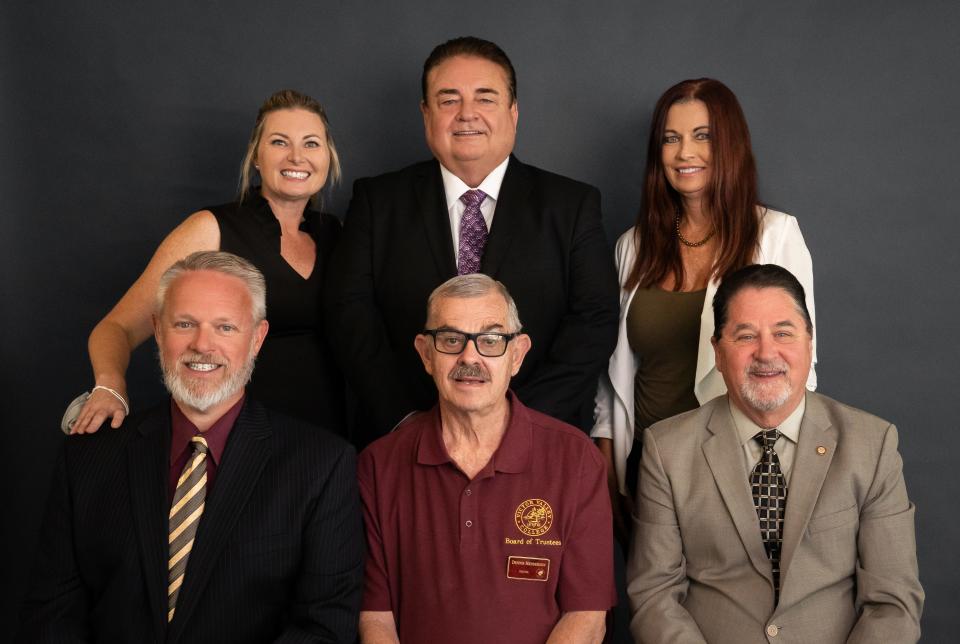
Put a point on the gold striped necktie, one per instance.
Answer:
(188, 501)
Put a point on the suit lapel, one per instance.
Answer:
(806, 480)
(148, 470)
(248, 450)
(432, 209)
(725, 458)
(513, 212)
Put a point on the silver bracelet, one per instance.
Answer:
(126, 407)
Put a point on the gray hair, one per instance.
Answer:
(220, 262)
(475, 285)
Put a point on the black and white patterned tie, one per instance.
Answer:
(770, 498)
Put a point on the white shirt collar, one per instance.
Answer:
(747, 429)
(454, 187)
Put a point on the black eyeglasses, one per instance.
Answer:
(489, 345)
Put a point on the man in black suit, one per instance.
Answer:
(406, 232)
(208, 518)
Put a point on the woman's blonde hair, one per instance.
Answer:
(287, 99)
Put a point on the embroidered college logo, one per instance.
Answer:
(534, 517)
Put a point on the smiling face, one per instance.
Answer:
(292, 156)
(764, 353)
(207, 340)
(469, 382)
(685, 148)
(469, 116)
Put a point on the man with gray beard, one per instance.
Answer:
(772, 514)
(210, 517)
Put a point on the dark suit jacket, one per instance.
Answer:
(546, 245)
(278, 552)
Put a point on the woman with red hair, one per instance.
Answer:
(699, 219)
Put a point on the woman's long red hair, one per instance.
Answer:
(730, 198)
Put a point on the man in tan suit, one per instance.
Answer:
(772, 514)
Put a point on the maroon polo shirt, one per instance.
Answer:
(184, 430)
(495, 559)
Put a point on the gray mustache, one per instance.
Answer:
(469, 371)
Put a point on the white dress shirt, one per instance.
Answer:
(454, 187)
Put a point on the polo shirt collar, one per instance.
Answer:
(747, 429)
(511, 456)
(454, 186)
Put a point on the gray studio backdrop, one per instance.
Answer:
(120, 119)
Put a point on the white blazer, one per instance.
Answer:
(780, 243)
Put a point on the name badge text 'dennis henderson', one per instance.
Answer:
(528, 568)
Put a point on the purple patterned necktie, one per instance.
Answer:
(473, 233)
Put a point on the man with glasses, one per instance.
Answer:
(486, 521)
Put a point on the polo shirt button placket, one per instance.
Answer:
(468, 510)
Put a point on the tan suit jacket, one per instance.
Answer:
(698, 572)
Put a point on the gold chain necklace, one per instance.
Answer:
(687, 242)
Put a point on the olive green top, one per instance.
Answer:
(663, 328)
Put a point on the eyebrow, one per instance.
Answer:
(699, 127)
(479, 90)
(750, 327)
(287, 136)
(487, 329)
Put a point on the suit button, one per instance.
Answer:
(772, 630)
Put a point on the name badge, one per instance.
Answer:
(528, 568)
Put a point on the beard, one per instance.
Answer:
(200, 395)
(769, 396)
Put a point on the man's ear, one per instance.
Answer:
(422, 345)
(259, 334)
(521, 345)
(717, 358)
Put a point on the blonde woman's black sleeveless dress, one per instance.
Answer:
(295, 372)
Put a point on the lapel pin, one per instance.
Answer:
(821, 450)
